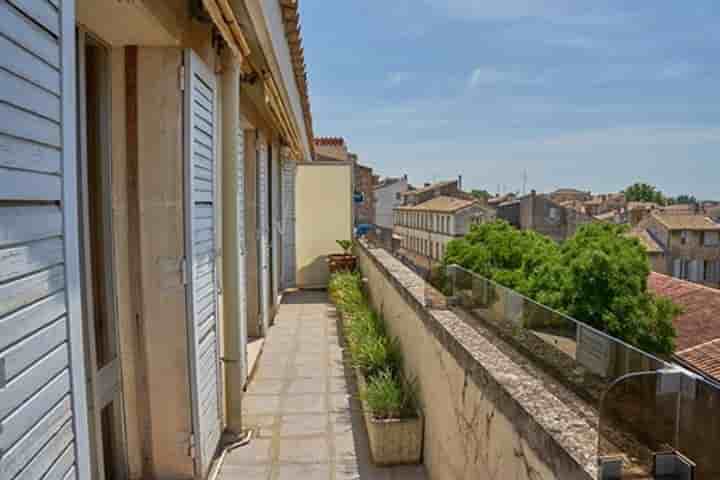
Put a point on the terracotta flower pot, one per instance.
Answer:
(341, 262)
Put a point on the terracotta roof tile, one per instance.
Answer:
(700, 320)
(705, 358)
(698, 326)
(687, 222)
(329, 141)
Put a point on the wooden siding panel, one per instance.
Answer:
(20, 422)
(34, 439)
(21, 154)
(62, 466)
(22, 355)
(17, 391)
(31, 318)
(24, 32)
(18, 185)
(29, 258)
(20, 123)
(28, 223)
(22, 292)
(49, 454)
(25, 64)
(42, 12)
(24, 94)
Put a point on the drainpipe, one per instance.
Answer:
(234, 322)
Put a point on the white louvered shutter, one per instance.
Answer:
(200, 247)
(43, 405)
(264, 232)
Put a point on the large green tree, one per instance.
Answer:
(644, 192)
(599, 276)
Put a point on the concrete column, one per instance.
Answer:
(234, 328)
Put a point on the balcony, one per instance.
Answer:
(302, 406)
(512, 389)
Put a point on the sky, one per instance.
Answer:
(586, 94)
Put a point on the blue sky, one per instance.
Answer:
(593, 95)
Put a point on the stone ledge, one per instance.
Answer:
(566, 441)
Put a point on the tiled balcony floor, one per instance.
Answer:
(303, 405)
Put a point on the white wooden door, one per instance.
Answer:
(43, 407)
(200, 250)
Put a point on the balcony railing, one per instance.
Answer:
(648, 408)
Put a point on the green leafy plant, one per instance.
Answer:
(376, 355)
(389, 396)
(346, 245)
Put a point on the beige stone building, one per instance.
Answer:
(426, 228)
(154, 154)
(683, 246)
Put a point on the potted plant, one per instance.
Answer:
(389, 400)
(345, 261)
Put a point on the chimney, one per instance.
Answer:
(459, 182)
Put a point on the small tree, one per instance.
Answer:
(599, 276)
(644, 192)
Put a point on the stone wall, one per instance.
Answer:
(485, 416)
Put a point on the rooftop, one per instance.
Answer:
(329, 141)
(650, 244)
(698, 326)
(431, 187)
(442, 204)
(687, 222)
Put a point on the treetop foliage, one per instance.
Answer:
(599, 276)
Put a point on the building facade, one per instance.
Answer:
(690, 246)
(388, 195)
(425, 229)
(147, 226)
(543, 215)
(364, 181)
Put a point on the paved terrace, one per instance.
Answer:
(302, 404)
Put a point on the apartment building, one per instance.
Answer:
(388, 194)
(426, 228)
(544, 215)
(690, 244)
(149, 157)
(364, 181)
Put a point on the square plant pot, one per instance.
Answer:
(395, 441)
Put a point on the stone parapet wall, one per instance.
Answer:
(485, 416)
